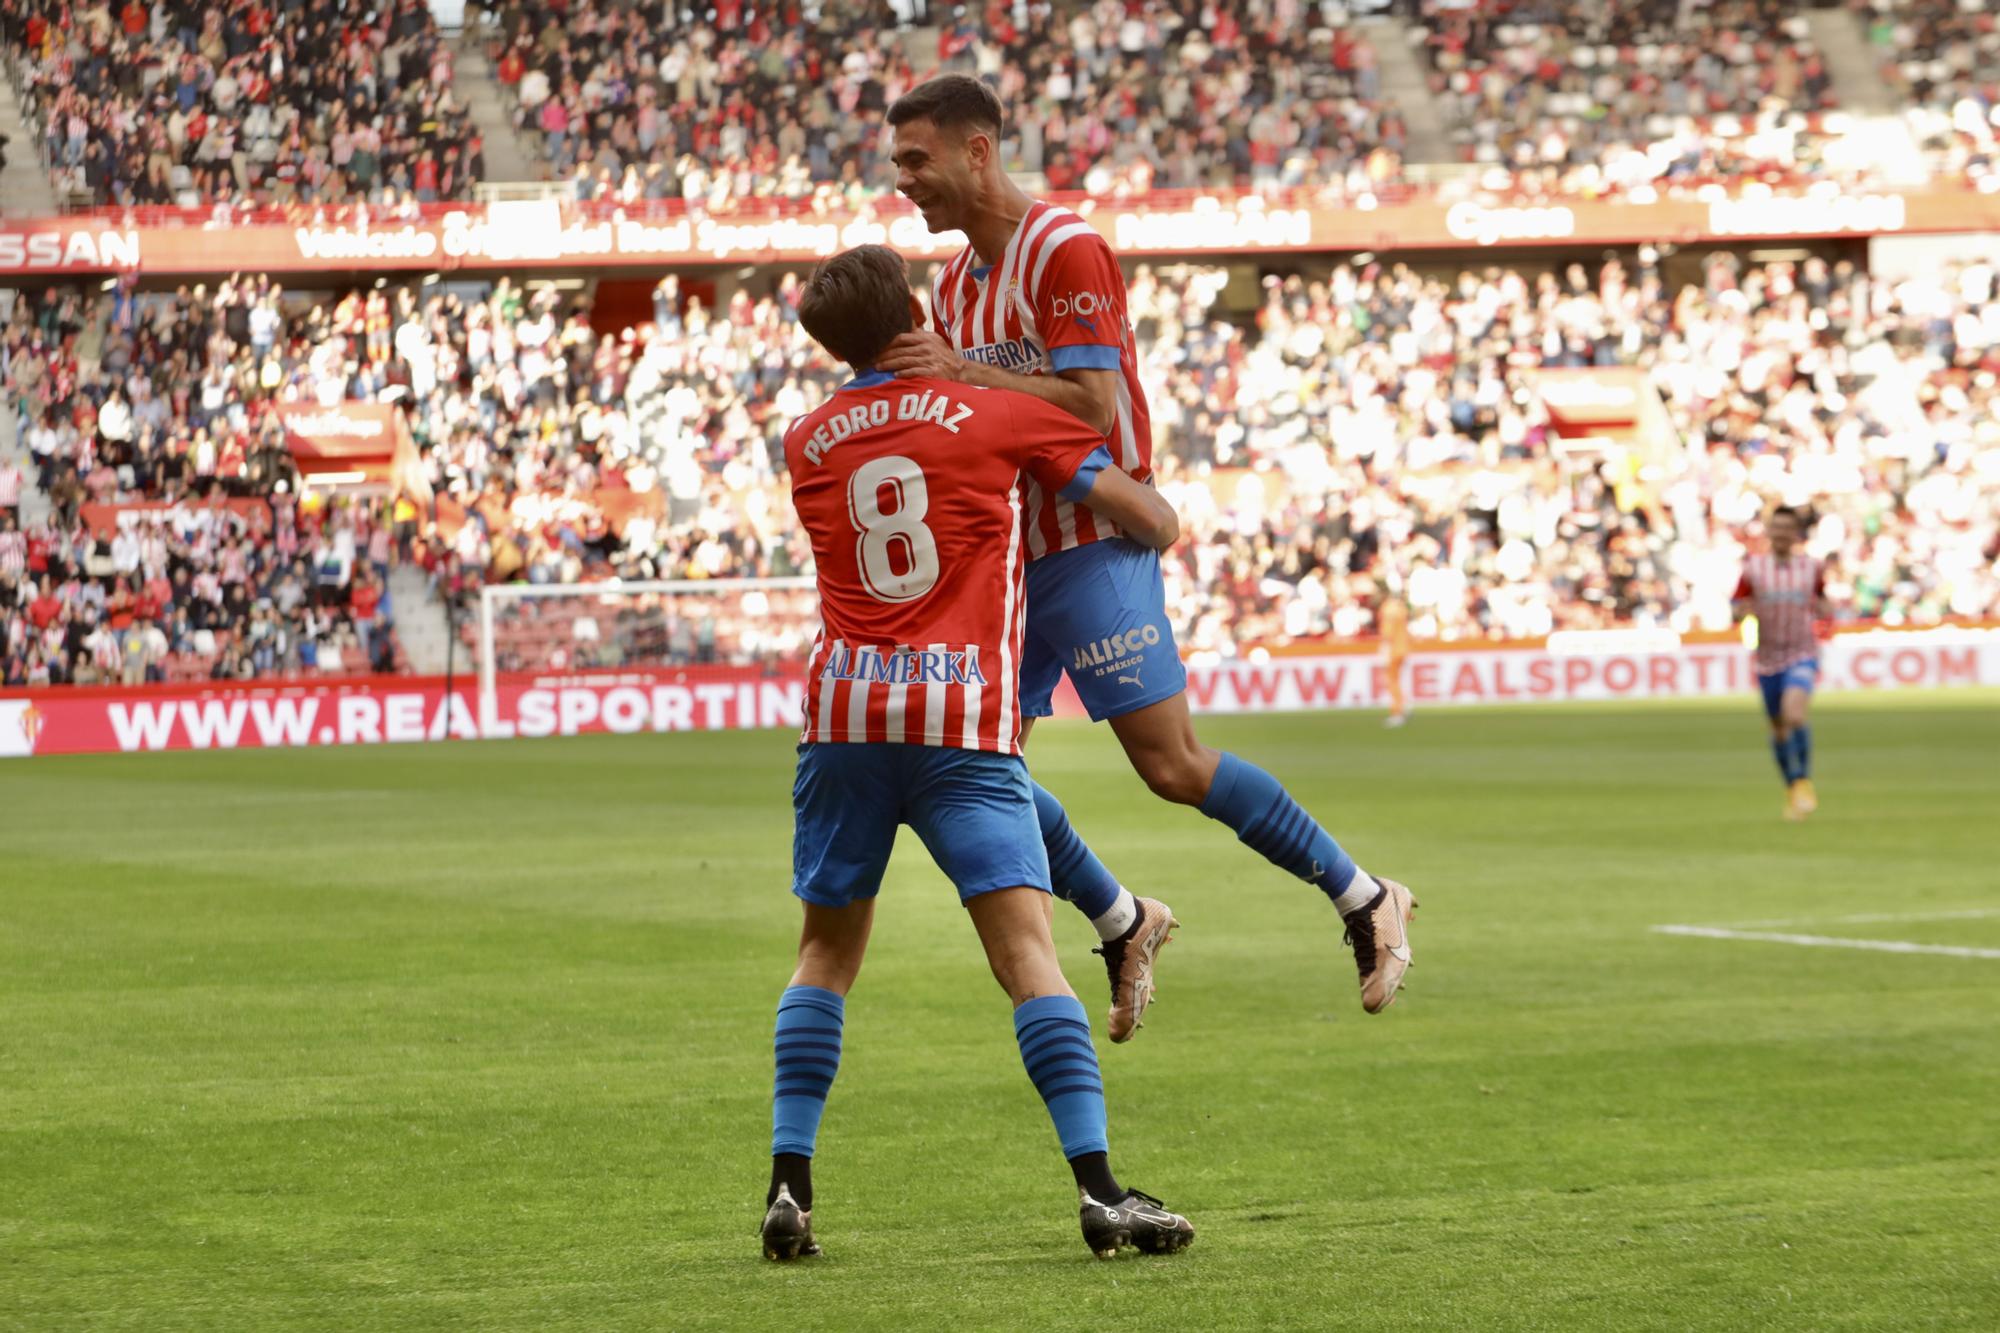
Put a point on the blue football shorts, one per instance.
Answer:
(1798, 676)
(1099, 612)
(974, 810)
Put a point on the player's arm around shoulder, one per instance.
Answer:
(1091, 396)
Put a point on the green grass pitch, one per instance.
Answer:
(478, 1036)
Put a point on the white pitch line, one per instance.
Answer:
(1870, 918)
(1828, 941)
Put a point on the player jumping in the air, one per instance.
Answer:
(1786, 590)
(1036, 303)
(912, 491)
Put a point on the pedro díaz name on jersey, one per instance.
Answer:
(928, 406)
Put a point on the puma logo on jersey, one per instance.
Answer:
(1132, 679)
(930, 406)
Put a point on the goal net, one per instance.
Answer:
(691, 626)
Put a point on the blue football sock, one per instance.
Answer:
(1054, 1032)
(1781, 750)
(808, 1051)
(1268, 821)
(1802, 751)
(1074, 871)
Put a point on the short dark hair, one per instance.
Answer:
(951, 102)
(857, 302)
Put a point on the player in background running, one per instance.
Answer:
(1785, 589)
(910, 491)
(1392, 624)
(1036, 303)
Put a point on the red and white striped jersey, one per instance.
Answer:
(913, 491)
(1784, 595)
(1054, 302)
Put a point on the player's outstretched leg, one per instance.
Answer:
(1053, 1031)
(806, 1047)
(1133, 930)
(1163, 748)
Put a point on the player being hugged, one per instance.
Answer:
(1036, 303)
(911, 491)
(1785, 589)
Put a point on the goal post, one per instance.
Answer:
(570, 628)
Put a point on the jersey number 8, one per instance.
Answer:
(898, 537)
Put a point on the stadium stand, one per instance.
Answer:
(643, 105)
(1398, 413)
(174, 103)
(1112, 99)
(175, 545)
(1562, 81)
(1385, 419)
(1943, 63)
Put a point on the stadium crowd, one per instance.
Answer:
(331, 101)
(1116, 99)
(176, 543)
(1109, 97)
(1372, 429)
(172, 102)
(1943, 61)
(1563, 82)
(1574, 99)
(1401, 446)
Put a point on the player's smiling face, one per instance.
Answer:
(936, 172)
(1784, 531)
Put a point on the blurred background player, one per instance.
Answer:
(1785, 589)
(910, 491)
(1036, 303)
(1392, 624)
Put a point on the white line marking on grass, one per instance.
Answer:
(1827, 941)
(1867, 918)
